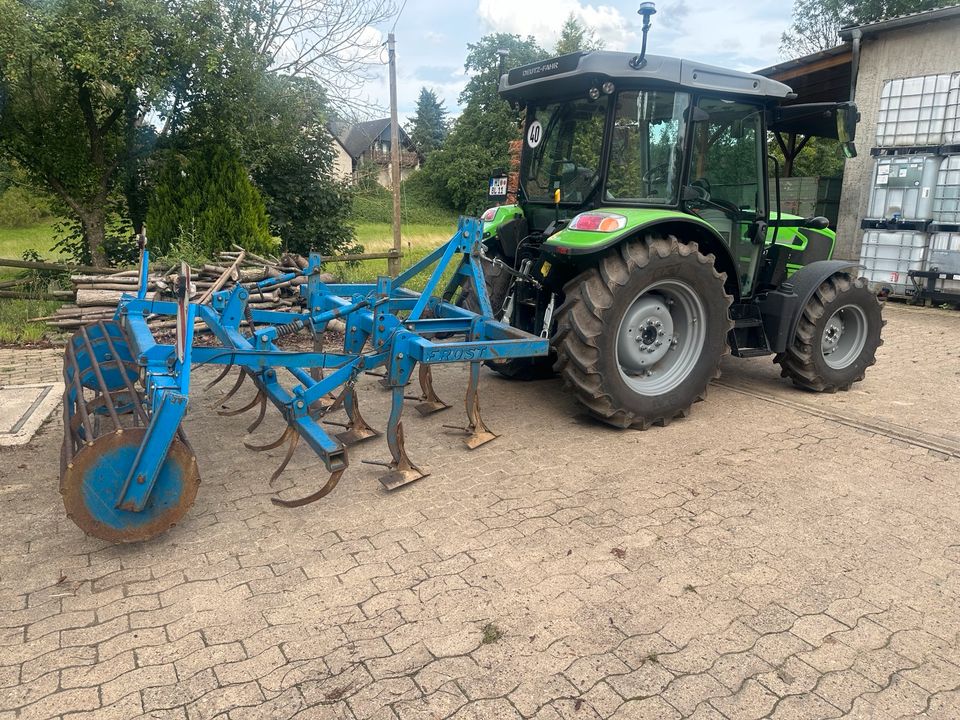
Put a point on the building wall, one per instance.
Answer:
(342, 163)
(383, 177)
(927, 49)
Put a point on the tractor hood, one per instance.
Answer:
(578, 72)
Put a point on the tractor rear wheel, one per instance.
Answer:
(640, 336)
(837, 336)
(498, 285)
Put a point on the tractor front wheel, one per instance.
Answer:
(641, 335)
(837, 336)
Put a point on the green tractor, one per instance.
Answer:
(644, 242)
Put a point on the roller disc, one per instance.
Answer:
(92, 483)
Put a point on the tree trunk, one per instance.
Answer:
(94, 222)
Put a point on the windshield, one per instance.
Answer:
(564, 143)
(645, 151)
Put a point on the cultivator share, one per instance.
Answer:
(127, 470)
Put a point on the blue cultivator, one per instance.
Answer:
(127, 471)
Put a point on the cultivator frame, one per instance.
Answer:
(127, 472)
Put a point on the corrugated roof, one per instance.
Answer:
(902, 21)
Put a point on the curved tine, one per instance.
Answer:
(210, 385)
(325, 490)
(233, 390)
(263, 411)
(248, 406)
(337, 404)
(269, 446)
(294, 441)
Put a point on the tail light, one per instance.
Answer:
(598, 222)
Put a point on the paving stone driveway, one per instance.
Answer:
(755, 560)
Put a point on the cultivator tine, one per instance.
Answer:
(269, 446)
(261, 414)
(401, 470)
(294, 437)
(236, 386)
(478, 433)
(226, 371)
(325, 490)
(429, 401)
(357, 429)
(260, 397)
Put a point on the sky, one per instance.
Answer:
(432, 36)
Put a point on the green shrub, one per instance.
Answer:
(21, 208)
(208, 194)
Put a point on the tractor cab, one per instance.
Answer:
(632, 140)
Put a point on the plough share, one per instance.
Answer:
(128, 472)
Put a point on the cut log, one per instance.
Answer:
(87, 297)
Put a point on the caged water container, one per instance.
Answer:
(887, 256)
(903, 187)
(943, 256)
(913, 111)
(946, 196)
(951, 124)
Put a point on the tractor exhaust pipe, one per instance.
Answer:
(647, 10)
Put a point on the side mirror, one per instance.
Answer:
(847, 119)
(817, 223)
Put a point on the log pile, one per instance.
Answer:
(96, 295)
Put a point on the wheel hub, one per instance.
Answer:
(646, 335)
(661, 337)
(844, 337)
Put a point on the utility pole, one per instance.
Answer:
(393, 263)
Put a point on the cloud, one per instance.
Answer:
(434, 38)
(696, 29)
(544, 18)
(438, 73)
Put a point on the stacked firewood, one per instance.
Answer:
(96, 295)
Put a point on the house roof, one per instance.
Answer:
(357, 138)
(902, 21)
(820, 77)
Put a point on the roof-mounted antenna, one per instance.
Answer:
(647, 10)
(502, 54)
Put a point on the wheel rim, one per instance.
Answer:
(844, 337)
(661, 337)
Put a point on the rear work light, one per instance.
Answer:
(489, 214)
(598, 222)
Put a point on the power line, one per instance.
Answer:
(397, 18)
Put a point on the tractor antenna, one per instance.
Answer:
(647, 10)
(501, 61)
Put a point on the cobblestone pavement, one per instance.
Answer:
(29, 367)
(758, 559)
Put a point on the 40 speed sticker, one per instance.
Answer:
(534, 134)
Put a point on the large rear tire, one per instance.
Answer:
(837, 337)
(640, 336)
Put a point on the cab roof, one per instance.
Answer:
(578, 72)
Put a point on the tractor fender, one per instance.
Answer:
(686, 228)
(782, 308)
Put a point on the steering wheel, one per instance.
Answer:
(704, 189)
(576, 178)
(656, 174)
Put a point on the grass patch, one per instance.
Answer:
(14, 328)
(15, 241)
(378, 237)
(417, 242)
(491, 633)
